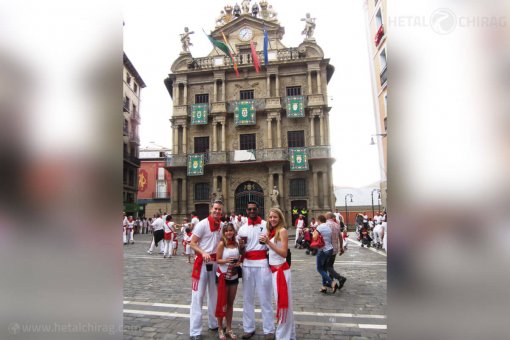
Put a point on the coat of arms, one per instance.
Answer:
(195, 164)
(295, 106)
(244, 112)
(199, 114)
(299, 159)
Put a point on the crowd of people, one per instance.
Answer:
(225, 249)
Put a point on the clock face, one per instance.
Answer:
(245, 34)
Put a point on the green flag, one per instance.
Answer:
(196, 164)
(219, 45)
(199, 113)
(295, 107)
(244, 113)
(298, 159)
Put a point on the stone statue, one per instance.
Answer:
(220, 21)
(185, 40)
(272, 15)
(213, 198)
(228, 14)
(274, 196)
(309, 27)
(220, 195)
(237, 11)
(255, 10)
(245, 4)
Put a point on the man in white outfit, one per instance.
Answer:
(300, 224)
(257, 276)
(206, 235)
(159, 232)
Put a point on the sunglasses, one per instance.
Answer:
(251, 209)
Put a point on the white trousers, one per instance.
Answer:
(124, 238)
(287, 330)
(130, 234)
(161, 246)
(377, 237)
(257, 280)
(299, 231)
(207, 282)
(169, 246)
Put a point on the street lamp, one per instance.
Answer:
(375, 190)
(346, 212)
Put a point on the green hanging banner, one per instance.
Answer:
(298, 159)
(245, 113)
(295, 107)
(196, 164)
(199, 114)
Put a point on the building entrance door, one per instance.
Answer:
(246, 192)
(299, 207)
(202, 210)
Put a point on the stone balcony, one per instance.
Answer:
(176, 160)
(219, 107)
(319, 152)
(273, 103)
(316, 100)
(180, 110)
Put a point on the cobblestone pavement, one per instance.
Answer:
(157, 295)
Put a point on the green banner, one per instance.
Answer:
(298, 159)
(199, 113)
(196, 164)
(295, 107)
(244, 113)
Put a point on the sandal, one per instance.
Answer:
(323, 290)
(231, 334)
(334, 285)
(221, 335)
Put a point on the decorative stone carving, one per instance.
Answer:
(185, 40)
(309, 27)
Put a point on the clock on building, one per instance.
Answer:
(245, 34)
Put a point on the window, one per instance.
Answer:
(293, 91)
(202, 192)
(126, 104)
(297, 187)
(135, 88)
(201, 144)
(134, 109)
(296, 138)
(246, 94)
(378, 19)
(202, 98)
(128, 78)
(248, 142)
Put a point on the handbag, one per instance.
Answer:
(289, 256)
(319, 243)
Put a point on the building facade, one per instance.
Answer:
(154, 182)
(132, 84)
(376, 27)
(261, 136)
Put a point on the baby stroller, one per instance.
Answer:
(364, 237)
(308, 235)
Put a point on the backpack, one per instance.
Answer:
(319, 243)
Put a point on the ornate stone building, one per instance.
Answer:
(260, 136)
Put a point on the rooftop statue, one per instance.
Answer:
(245, 4)
(237, 11)
(267, 13)
(185, 40)
(255, 10)
(309, 27)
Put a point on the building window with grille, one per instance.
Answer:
(202, 98)
(296, 139)
(135, 87)
(293, 91)
(246, 94)
(202, 192)
(201, 144)
(248, 142)
(298, 187)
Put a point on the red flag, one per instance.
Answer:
(255, 58)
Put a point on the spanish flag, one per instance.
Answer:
(232, 54)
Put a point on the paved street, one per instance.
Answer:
(157, 295)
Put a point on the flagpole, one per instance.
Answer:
(212, 44)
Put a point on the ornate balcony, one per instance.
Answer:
(180, 110)
(176, 160)
(219, 157)
(134, 138)
(273, 103)
(319, 152)
(261, 155)
(219, 107)
(316, 100)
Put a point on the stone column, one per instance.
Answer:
(326, 190)
(222, 90)
(174, 195)
(312, 131)
(177, 95)
(332, 202)
(214, 142)
(224, 190)
(278, 132)
(215, 183)
(268, 85)
(184, 205)
(174, 92)
(270, 187)
(223, 136)
(184, 139)
(309, 82)
(315, 189)
(175, 147)
(321, 117)
(319, 85)
(277, 94)
(280, 189)
(185, 97)
(269, 134)
(215, 90)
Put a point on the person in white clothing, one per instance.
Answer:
(256, 274)
(158, 225)
(168, 237)
(385, 235)
(130, 229)
(300, 224)
(187, 241)
(194, 220)
(227, 278)
(378, 233)
(278, 244)
(206, 235)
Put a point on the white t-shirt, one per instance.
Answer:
(253, 232)
(208, 239)
(229, 268)
(337, 215)
(274, 258)
(158, 224)
(130, 225)
(300, 223)
(194, 221)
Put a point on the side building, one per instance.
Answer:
(132, 84)
(260, 135)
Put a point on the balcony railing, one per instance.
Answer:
(160, 195)
(287, 54)
(260, 105)
(384, 76)
(176, 160)
(315, 100)
(132, 159)
(318, 152)
(125, 106)
(134, 138)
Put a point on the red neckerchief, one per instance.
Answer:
(214, 225)
(239, 218)
(272, 233)
(192, 217)
(258, 220)
(189, 234)
(231, 243)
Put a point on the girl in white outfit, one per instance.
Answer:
(278, 244)
(168, 237)
(227, 255)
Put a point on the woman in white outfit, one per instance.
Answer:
(168, 237)
(278, 244)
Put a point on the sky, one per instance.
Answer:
(152, 43)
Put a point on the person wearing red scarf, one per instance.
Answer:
(278, 244)
(256, 274)
(206, 235)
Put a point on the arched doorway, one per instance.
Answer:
(246, 192)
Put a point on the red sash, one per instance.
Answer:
(197, 268)
(283, 294)
(255, 255)
(221, 304)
